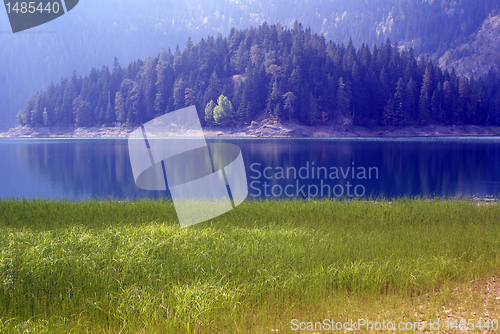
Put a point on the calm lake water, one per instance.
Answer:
(360, 167)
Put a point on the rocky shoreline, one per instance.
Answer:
(266, 129)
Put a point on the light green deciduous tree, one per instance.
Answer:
(223, 112)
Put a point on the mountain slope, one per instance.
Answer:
(480, 55)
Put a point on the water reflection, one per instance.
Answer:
(79, 168)
(87, 168)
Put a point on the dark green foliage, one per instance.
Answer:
(289, 73)
(430, 27)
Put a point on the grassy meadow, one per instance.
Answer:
(127, 267)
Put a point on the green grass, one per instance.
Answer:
(127, 267)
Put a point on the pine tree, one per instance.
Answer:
(81, 110)
(240, 59)
(463, 100)
(120, 113)
(148, 89)
(133, 100)
(26, 113)
(389, 117)
(274, 98)
(343, 102)
(425, 98)
(496, 106)
(385, 85)
(481, 114)
(289, 99)
(447, 103)
(349, 57)
(214, 88)
(189, 97)
(436, 105)
(67, 117)
(46, 120)
(164, 83)
(110, 112)
(400, 117)
(256, 56)
(179, 90)
(314, 114)
(37, 111)
(411, 105)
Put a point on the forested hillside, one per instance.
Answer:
(290, 73)
(429, 26)
(95, 32)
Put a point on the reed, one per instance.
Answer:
(127, 267)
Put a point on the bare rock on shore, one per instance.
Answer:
(264, 130)
(331, 131)
(68, 132)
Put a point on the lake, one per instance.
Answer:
(275, 168)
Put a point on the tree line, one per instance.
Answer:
(292, 74)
